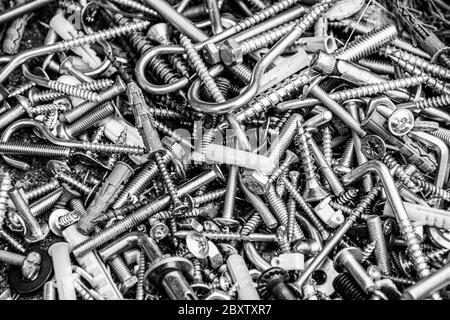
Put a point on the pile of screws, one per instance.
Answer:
(225, 149)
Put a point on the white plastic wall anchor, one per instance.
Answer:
(322, 43)
(114, 127)
(92, 263)
(289, 261)
(328, 215)
(67, 31)
(222, 154)
(63, 270)
(240, 274)
(432, 217)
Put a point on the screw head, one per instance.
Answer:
(53, 221)
(31, 265)
(373, 147)
(56, 166)
(401, 122)
(345, 255)
(197, 244)
(159, 231)
(231, 52)
(40, 235)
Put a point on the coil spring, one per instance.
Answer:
(347, 288)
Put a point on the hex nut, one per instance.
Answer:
(231, 52)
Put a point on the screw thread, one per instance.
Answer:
(21, 89)
(269, 220)
(73, 90)
(49, 291)
(140, 276)
(271, 97)
(367, 44)
(11, 241)
(347, 287)
(334, 182)
(73, 182)
(24, 211)
(414, 250)
(434, 84)
(81, 109)
(430, 188)
(202, 70)
(46, 203)
(348, 196)
(137, 6)
(5, 184)
(81, 290)
(46, 95)
(102, 35)
(42, 190)
(210, 196)
(377, 88)
(338, 110)
(376, 234)
(11, 115)
(230, 195)
(306, 208)
(433, 102)
(443, 134)
(68, 219)
(430, 68)
(165, 130)
(367, 251)
(252, 224)
(378, 66)
(264, 14)
(139, 182)
(47, 108)
(120, 268)
(90, 119)
(11, 258)
(20, 148)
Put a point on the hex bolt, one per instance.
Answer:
(35, 231)
(119, 267)
(377, 235)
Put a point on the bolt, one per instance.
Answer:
(35, 231)
(30, 264)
